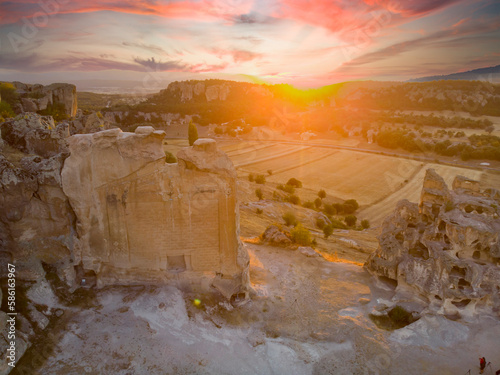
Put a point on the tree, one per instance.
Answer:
(260, 179)
(350, 206)
(322, 194)
(350, 220)
(250, 177)
(318, 202)
(365, 224)
(258, 193)
(290, 218)
(170, 158)
(294, 182)
(301, 235)
(192, 133)
(327, 230)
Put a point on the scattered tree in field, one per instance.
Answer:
(365, 224)
(258, 193)
(308, 204)
(290, 219)
(329, 209)
(259, 211)
(350, 220)
(260, 179)
(350, 206)
(318, 202)
(250, 177)
(218, 130)
(294, 199)
(320, 223)
(301, 235)
(294, 182)
(322, 194)
(328, 230)
(192, 133)
(286, 188)
(270, 172)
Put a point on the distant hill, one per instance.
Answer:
(491, 74)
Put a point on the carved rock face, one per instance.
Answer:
(140, 219)
(445, 249)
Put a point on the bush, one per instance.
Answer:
(350, 206)
(287, 188)
(294, 199)
(56, 110)
(294, 182)
(8, 93)
(259, 211)
(260, 179)
(365, 224)
(6, 110)
(328, 230)
(250, 177)
(269, 172)
(308, 204)
(329, 209)
(318, 202)
(170, 158)
(218, 130)
(350, 220)
(337, 224)
(301, 235)
(192, 133)
(258, 193)
(322, 194)
(290, 219)
(320, 223)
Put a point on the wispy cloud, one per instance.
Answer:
(148, 47)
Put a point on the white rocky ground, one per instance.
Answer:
(308, 316)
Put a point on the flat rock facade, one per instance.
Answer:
(445, 250)
(140, 219)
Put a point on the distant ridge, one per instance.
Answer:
(491, 74)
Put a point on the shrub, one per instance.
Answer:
(6, 110)
(294, 199)
(365, 224)
(328, 230)
(350, 206)
(308, 204)
(260, 179)
(258, 193)
(337, 224)
(192, 133)
(301, 235)
(286, 188)
(250, 177)
(218, 130)
(259, 211)
(270, 172)
(290, 219)
(170, 158)
(320, 223)
(294, 182)
(350, 220)
(318, 202)
(8, 93)
(322, 194)
(329, 209)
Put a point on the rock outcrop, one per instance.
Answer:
(446, 250)
(34, 98)
(142, 220)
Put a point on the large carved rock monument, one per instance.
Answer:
(140, 219)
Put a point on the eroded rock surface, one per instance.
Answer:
(446, 249)
(140, 219)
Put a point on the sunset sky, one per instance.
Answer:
(305, 43)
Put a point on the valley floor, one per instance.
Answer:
(306, 316)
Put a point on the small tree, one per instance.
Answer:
(250, 177)
(260, 179)
(294, 182)
(270, 172)
(301, 235)
(218, 130)
(365, 224)
(192, 133)
(350, 206)
(258, 193)
(318, 202)
(328, 230)
(293, 199)
(170, 158)
(350, 220)
(320, 223)
(322, 194)
(329, 209)
(290, 218)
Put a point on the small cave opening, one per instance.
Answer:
(85, 278)
(468, 209)
(446, 239)
(176, 263)
(476, 255)
(442, 226)
(462, 303)
(387, 280)
(462, 284)
(438, 297)
(479, 210)
(435, 209)
(400, 237)
(458, 271)
(411, 225)
(419, 251)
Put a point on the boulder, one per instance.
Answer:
(275, 236)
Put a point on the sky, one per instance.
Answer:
(306, 43)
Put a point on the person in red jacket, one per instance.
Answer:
(482, 364)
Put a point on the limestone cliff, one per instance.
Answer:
(446, 249)
(34, 98)
(141, 220)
